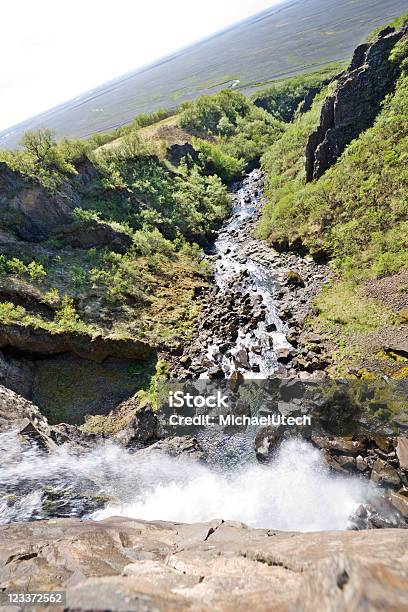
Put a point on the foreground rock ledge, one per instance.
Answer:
(124, 564)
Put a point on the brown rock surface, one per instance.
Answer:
(123, 564)
(97, 348)
(402, 452)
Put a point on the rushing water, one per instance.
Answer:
(231, 249)
(293, 492)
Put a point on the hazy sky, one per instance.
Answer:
(53, 50)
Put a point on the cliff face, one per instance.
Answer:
(355, 103)
(28, 210)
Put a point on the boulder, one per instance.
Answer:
(294, 279)
(383, 473)
(266, 441)
(340, 445)
(402, 452)
(400, 502)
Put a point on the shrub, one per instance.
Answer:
(217, 162)
(215, 114)
(36, 271)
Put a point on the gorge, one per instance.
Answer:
(253, 248)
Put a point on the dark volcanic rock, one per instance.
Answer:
(177, 152)
(355, 103)
(97, 348)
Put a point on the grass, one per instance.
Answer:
(343, 308)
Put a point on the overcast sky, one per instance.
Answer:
(53, 50)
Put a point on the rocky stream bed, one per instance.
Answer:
(251, 322)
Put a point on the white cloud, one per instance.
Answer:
(52, 50)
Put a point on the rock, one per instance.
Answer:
(354, 105)
(266, 441)
(215, 372)
(385, 474)
(289, 409)
(29, 209)
(241, 359)
(17, 375)
(125, 564)
(182, 447)
(15, 410)
(142, 426)
(346, 462)
(361, 464)
(284, 355)
(294, 279)
(400, 502)
(29, 431)
(399, 348)
(271, 327)
(85, 235)
(177, 152)
(382, 442)
(291, 389)
(97, 348)
(341, 445)
(402, 452)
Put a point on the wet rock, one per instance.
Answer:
(385, 474)
(266, 441)
(342, 445)
(241, 359)
(400, 502)
(183, 447)
(216, 372)
(361, 464)
(142, 427)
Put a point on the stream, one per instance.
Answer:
(254, 351)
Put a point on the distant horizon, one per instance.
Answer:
(232, 19)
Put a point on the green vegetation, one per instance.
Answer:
(355, 215)
(357, 212)
(283, 98)
(41, 158)
(397, 23)
(345, 306)
(34, 269)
